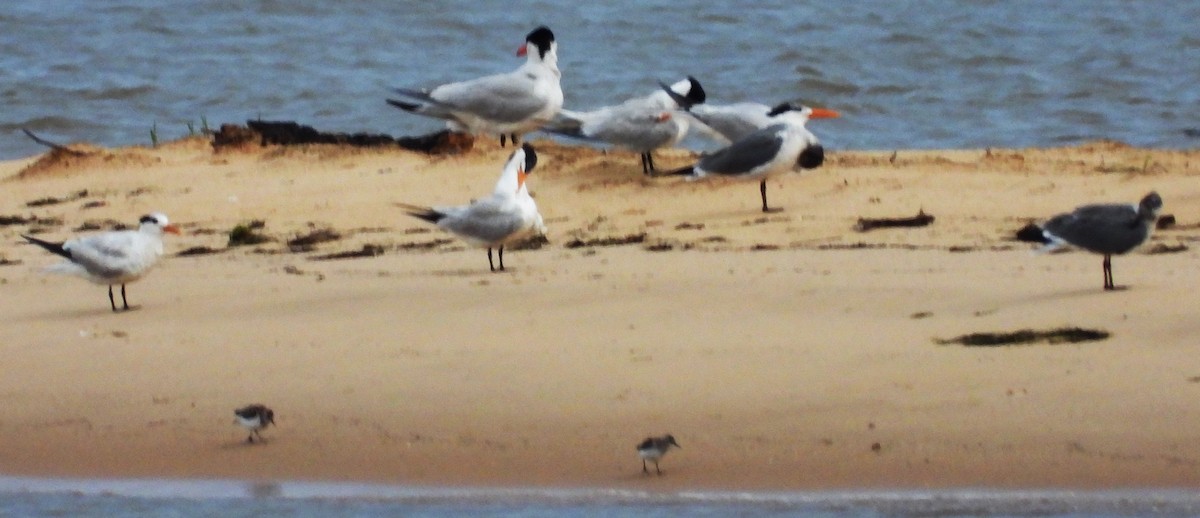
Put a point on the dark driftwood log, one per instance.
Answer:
(57, 147)
(920, 220)
(288, 133)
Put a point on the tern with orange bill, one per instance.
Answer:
(508, 104)
(507, 216)
(112, 258)
(764, 153)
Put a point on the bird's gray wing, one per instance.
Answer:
(1107, 229)
(105, 255)
(745, 155)
(506, 98)
(486, 221)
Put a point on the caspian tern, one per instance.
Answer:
(641, 124)
(508, 215)
(767, 152)
(1107, 229)
(653, 448)
(254, 418)
(112, 258)
(503, 104)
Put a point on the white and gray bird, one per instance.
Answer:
(507, 216)
(642, 124)
(510, 104)
(254, 418)
(1108, 229)
(726, 123)
(767, 152)
(111, 258)
(653, 448)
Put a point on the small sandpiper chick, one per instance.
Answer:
(254, 418)
(653, 449)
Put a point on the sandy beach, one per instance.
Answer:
(783, 351)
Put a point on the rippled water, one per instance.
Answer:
(906, 73)
(182, 498)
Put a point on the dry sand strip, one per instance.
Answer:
(783, 351)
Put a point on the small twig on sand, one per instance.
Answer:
(920, 220)
(52, 145)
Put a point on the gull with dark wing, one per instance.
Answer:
(767, 152)
(1108, 229)
(112, 258)
(507, 216)
(508, 104)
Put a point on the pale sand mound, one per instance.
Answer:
(782, 350)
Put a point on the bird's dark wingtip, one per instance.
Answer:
(1032, 233)
(408, 107)
(56, 248)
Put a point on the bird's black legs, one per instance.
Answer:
(647, 164)
(515, 141)
(1108, 281)
(492, 265)
(250, 438)
(762, 189)
(644, 469)
(656, 468)
(113, 302)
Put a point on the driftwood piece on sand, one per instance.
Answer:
(57, 147)
(920, 220)
(288, 133)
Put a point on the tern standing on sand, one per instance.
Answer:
(641, 124)
(1108, 229)
(503, 104)
(112, 258)
(767, 152)
(508, 215)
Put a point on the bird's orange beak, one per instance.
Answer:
(521, 176)
(663, 117)
(824, 113)
(172, 229)
(523, 50)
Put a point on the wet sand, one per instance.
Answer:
(784, 350)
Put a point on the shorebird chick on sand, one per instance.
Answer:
(653, 449)
(254, 418)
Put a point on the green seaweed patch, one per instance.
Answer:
(248, 234)
(1068, 335)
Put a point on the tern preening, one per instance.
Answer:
(507, 216)
(503, 104)
(767, 152)
(1108, 229)
(653, 448)
(642, 124)
(112, 258)
(254, 418)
